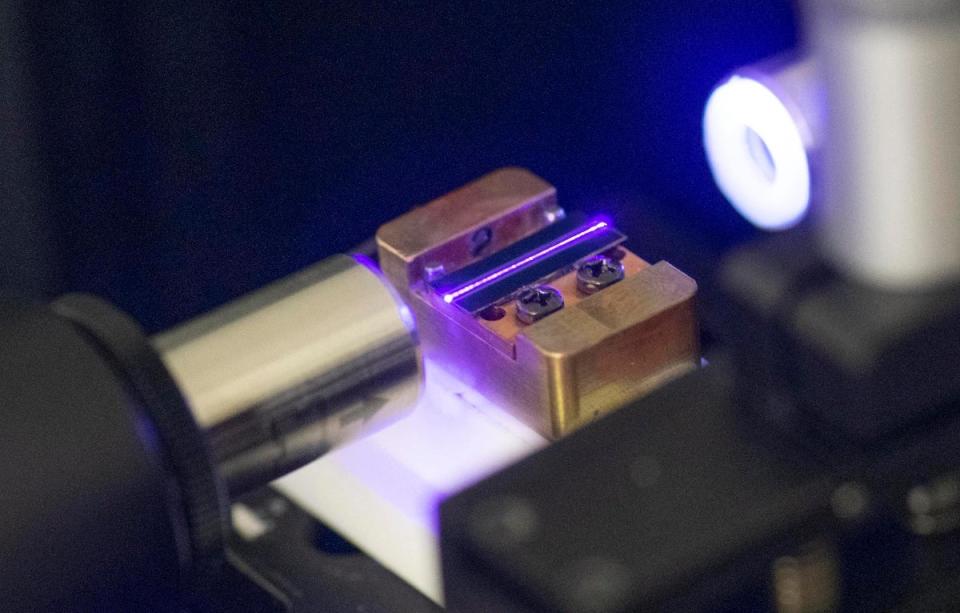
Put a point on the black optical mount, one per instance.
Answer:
(814, 466)
(110, 497)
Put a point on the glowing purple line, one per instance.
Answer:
(466, 289)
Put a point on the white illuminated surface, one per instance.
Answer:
(382, 493)
(773, 200)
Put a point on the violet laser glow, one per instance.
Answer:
(757, 154)
(517, 265)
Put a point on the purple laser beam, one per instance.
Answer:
(509, 268)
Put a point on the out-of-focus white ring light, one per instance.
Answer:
(757, 154)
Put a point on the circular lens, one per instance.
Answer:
(757, 154)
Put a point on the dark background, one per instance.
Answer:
(173, 155)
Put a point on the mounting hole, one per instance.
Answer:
(480, 240)
(493, 313)
(616, 254)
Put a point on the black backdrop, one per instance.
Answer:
(173, 155)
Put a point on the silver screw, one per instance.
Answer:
(554, 213)
(598, 273)
(433, 271)
(480, 240)
(535, 304)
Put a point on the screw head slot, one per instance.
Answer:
(536, 303)
(597, 273)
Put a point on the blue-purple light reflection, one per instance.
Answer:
(525, 261)
(757, 153)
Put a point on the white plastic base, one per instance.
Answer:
(382, 493)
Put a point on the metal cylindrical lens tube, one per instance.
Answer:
(890, 212)
(284, 374)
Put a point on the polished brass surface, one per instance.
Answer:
(284, 374)
(598, 353)
(512, 203)
(613, 346)
(508, 328)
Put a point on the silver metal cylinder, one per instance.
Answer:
(286, 373)
(890, 211)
